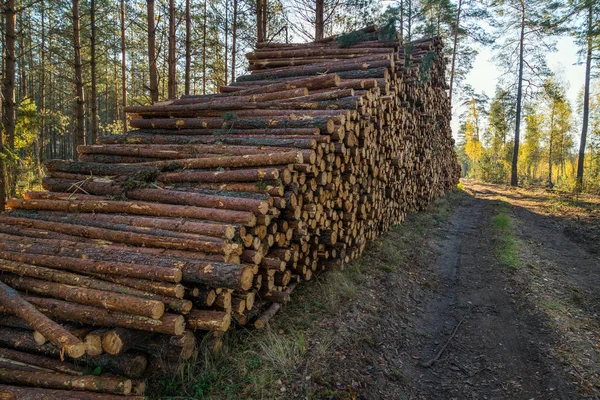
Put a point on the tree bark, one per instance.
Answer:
(94, 94)
(93, 297)
(55, 380)
(79, 131)
(139, 208)
(261, 20)
(54, 332)
(319, 19)
(208, 320)
(225, 64)
(152, 52)
(188, 46)
(586, 99)
(123, 68)
(455, 47)
(8, 96)
(172, 61)
(31, 393)
(170, 324)
(234, 40)
(42, 87)
(204, 30)
(514, 177)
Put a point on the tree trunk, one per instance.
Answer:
(265, 7)
(123, 68)
(8, 91)
(401, 21)
(42, 87)
(455, 47)
(234, 40)
(172, 85)
(586, 101)
(204, 50)
(319, 19)
(79, 101)
(409, 24)
(152, 52)
(226, 42)
(550, 147)
(188, 46)
(21, 59)
(94, 94)
(261, 20)
(514, 177)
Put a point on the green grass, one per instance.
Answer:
(508, 246)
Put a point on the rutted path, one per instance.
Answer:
(498, 350)
(448, 296)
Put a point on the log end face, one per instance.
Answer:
(179, 291)
(112, 343)
(246, 278)
(179, 325)
(263, 207)
(229, 232)
(226, 323)
(75, 350)
(158, 310)
(177, 275)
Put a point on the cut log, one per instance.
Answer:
(93, 266)
(55, 380)
(266, 316)
(95, 169)
(207, 320)
(30, 393)
(56, 334)
(98, 298)
(136, 208)
(170, 324)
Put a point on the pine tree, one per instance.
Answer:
(521, 52)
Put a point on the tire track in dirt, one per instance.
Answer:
(497, 352)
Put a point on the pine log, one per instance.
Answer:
(323, 123)
(252, 160)
(137, 208)
(203, 228)
(75, 167)
(238, 175)
(97, 298)
(170, 324)
(199, 199)
(91, 266)
(55, 380)
(266, 316)
(30, 393)
(41, 361)
(231, 140)
(55, 333)
(207, 320)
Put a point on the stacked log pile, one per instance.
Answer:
(215, 207)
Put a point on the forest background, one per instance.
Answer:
(69, 67)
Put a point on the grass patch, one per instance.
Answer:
(508, 246)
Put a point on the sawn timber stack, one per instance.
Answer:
(217, 206)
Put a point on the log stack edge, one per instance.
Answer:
(214, 208)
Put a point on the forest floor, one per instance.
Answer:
(492, 293)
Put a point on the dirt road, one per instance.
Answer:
(492, 293)
(451, 320)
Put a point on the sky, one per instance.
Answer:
(484, 75)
